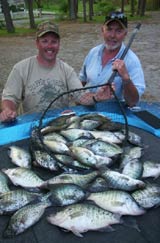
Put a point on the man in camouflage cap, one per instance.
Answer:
(37, 80)
(45, 27)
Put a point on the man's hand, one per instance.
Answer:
(104, 93)
(120, 66)
(7, 115)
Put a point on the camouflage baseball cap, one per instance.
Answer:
(45, 27)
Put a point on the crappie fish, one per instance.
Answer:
(69, 161)
(151, 169)
(3, 183)
(81, 180)
(58, 123)
(80, 142)
(148, 197)
(54, 136)
(120, 181)
(116, 201)
(80, 218)
(74, 122)
(14, 200)
(108, 136)
(84, 155)
(131, 153)
(106, 124)
(98, 185)
(23, 177)
(134, 139)
(88, 158)
(89, 124)
(36, 141)
(73, 134)
(95, 117)
(133, 168)
(25, 218)
(43, 159)
(99, 147)
(66, 194)
(20, 156)
(57, 147)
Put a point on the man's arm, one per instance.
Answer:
(130, 92)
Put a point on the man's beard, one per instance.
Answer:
(112, 48)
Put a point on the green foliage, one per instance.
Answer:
(2, 25)
(18, 32)
(63, 6)
(104, 7)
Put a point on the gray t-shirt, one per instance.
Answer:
(36, 86)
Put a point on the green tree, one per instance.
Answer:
(91, 9)
(73, 9)
(29, 4)
(132, 7)
(84, 11)
(141, 7)
(7, 16)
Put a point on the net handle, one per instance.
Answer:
(110, 80)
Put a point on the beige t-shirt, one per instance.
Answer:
(36, 86)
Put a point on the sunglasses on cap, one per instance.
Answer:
(117, 16)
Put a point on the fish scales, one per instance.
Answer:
(66, 194)
(23, 177)
(3, 183)
(151, 169)
(14, 200)
(25, 218)
(81, 180)
(133, 168)
(148, 197)
(80, 218)
(20, 156)
(120, 181)
(43, 159)
(117, 201)
(103, 148)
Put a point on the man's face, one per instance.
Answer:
(48, 46)
(113, 35)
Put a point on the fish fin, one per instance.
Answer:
(130, 222)
(75, 232)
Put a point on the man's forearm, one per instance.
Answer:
(130, 93)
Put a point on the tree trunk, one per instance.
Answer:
(7, 16)
(30, 12)
(76, 8)
(72, 9)
(142, 8)
(138, 7)
(122, 5)
(91, 12)
(84, 11)
(132, 7)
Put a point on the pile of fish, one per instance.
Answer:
(95, 178)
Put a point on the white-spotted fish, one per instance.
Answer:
(20, 156)
(80, 218)
(117, 201)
